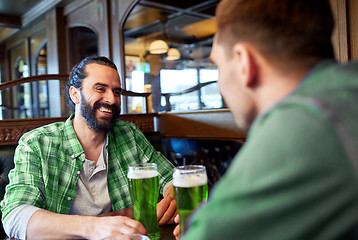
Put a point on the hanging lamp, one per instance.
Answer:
(158, 47)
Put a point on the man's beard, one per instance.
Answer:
(89, 114)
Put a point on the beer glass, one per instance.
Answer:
(191, 188)
(144, 193)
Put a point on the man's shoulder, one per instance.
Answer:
(288, 116)
(123, 130)
(49, 130)
(329, 74)
(350, 67)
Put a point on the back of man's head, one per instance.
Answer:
(282, 30)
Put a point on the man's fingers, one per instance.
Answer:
(174, 216)
(169, 213)
(176, 231)
(132, 226)
(162, 207)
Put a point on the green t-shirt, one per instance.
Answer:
(293, 179)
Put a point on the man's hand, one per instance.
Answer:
(44, 224)
(112, 227)
(167, 207)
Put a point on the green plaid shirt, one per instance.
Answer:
(48, 161)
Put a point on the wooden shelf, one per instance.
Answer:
(205, 124)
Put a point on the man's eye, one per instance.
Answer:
(100, 89)
(117, 93)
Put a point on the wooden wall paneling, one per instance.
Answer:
(28, 55)
(115, 19)
(2, 62)
(37, 41)
(22, 36)
(61, 40)
(121, 10)
(339, 38)
(108, 13)
(56, 42)
(15, 53)
(353, 28)
(62, 55)
(93, 15)
(53, 61)
(104, 37)
(6, 64)
(335, 40)
(12, 130)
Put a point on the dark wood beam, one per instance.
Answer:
(11, 21)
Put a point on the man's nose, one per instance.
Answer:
(109, 97)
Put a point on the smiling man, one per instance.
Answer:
(67, 174)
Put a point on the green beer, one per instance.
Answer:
(144, 193)
(191, 188)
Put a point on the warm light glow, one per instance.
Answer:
(173, 54)
(158, 47)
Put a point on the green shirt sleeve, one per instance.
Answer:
(26, 183)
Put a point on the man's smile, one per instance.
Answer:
(105, 110)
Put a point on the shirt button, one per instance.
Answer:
(69, 198)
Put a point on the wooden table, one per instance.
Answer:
(166, 232)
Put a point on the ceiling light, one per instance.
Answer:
(158, 47)
(173, 54)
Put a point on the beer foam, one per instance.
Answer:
(142, 174)
(189, 180)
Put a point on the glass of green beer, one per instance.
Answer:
(144, 193)
(191, 188)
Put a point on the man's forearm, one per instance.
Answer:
(48, 225)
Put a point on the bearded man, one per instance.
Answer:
(68, 173)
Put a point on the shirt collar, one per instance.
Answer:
(74, 147)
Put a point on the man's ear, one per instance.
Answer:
(247, 65)
(75, 94)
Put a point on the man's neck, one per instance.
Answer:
(91, 140)
(278, 87)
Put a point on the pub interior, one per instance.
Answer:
(161, 49)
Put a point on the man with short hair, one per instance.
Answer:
(296, 175)
(68, 173)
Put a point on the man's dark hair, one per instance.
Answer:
(78, 72)
(282, 30)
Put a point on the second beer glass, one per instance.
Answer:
(191, 188)
(144, 193)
